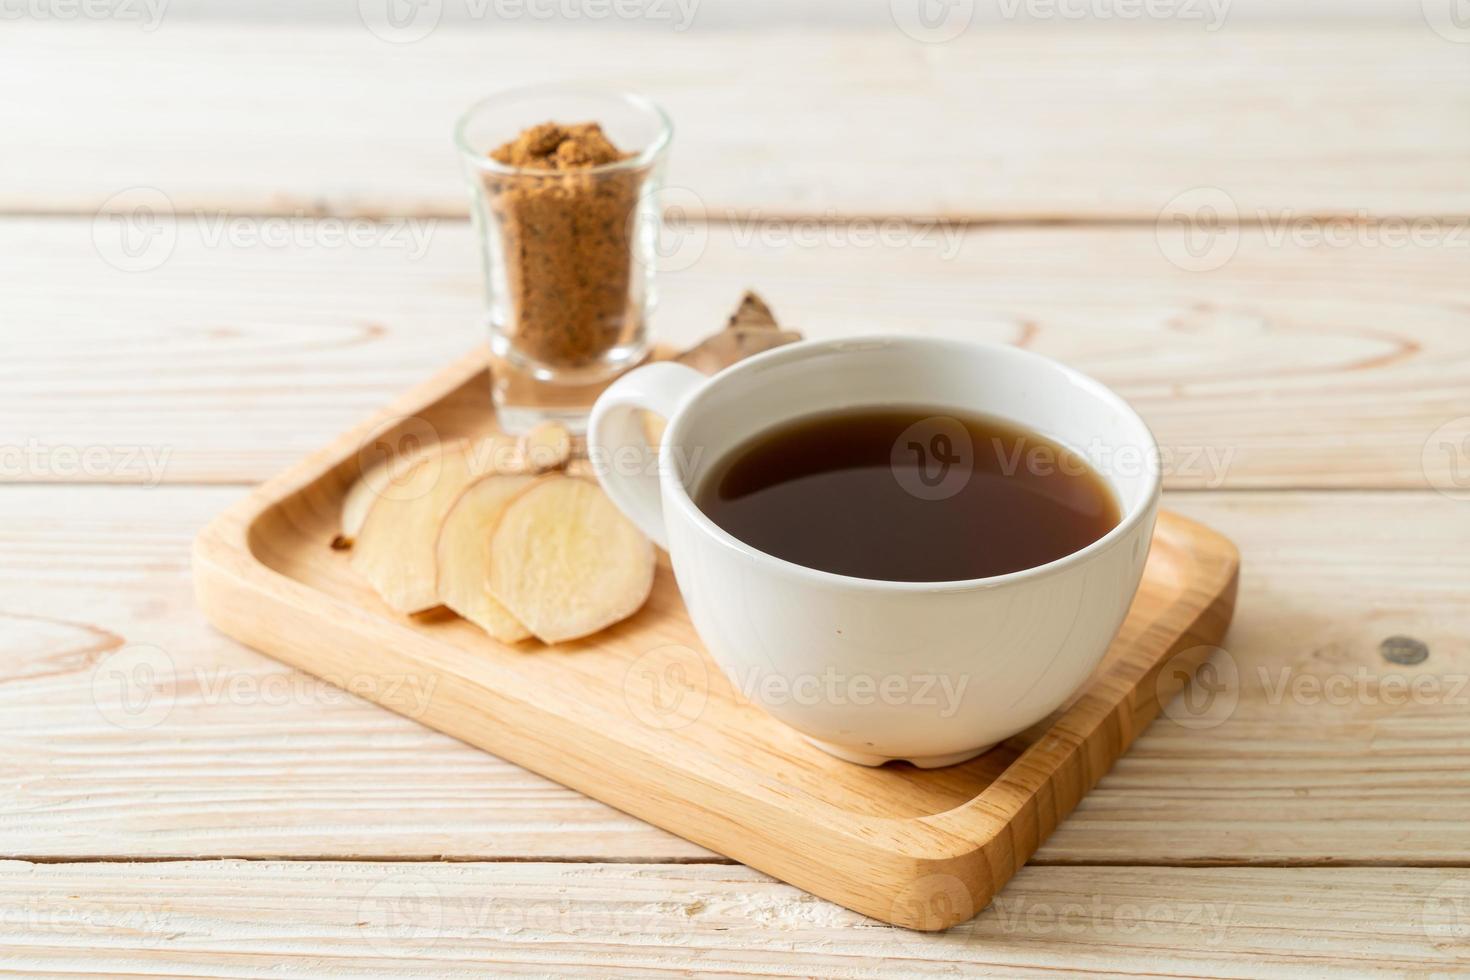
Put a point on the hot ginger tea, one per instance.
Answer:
(908, 495)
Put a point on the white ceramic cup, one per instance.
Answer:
(930, 672)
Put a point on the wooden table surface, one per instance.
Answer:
(1260, 238)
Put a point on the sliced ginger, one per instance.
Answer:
(394, 549)
(382, 478)
(462, 555)
(566, 562)
(548, 446)
(514, 534)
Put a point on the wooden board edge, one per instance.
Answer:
(1032, 797)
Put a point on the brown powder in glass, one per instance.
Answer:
(567, 240)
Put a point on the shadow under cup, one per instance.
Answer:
(930, 672)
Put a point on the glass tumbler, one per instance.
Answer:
(569, 254)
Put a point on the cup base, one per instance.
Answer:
(919, 762)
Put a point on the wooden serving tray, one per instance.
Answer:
(637, 716)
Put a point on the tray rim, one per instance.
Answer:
(978, 844)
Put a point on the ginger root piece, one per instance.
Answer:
(394, 549)
(462, 554)
(566, 562)
(377, 480)
(714, 354)
(548, 446)
(751, 329)
(752, 312)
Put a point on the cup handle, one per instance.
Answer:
(615, 431)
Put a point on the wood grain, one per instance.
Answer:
(1000, 123)
(1292, 365)
(230, 919)
(256, 760)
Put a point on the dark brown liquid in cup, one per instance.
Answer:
(908, 495)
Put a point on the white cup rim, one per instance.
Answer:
(675, 493)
